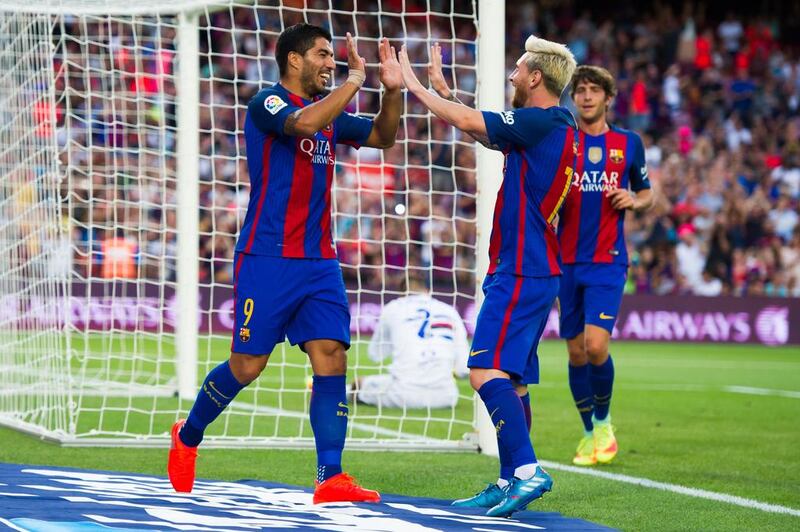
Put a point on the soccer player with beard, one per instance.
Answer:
(287, 280)
(538, 140)
(594, 257)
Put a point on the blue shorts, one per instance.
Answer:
(510, 324)
(590, 294)
(274, 297)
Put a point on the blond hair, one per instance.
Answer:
(553, 60)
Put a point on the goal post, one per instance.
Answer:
(124, 143)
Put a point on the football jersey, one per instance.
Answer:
(539, 156)
(289, 213)
(590, 229)
(426, 339)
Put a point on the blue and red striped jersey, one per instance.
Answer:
(539, 145)
(590, 229)
(289, 213)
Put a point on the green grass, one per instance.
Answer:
(676, 424)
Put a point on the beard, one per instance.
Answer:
(519, 99)
(309, 80)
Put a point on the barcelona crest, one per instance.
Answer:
(616, 155)
(244, 334)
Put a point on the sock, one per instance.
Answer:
(328, 415)
(526, 407)
(506, 465)
(505, 409)
(602, 379)
(581, 388)
(217, 391)
(502, 482)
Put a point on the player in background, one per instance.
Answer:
(287, 280)
(427, 342)
(538, 139)
(594, 257)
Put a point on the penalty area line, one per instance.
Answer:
(676, 488)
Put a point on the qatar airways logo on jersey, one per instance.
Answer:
(596, 181)
(319, 150)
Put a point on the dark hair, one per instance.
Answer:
(593, 74)
(298, 38)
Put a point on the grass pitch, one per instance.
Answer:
(722, 418)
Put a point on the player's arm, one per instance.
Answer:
(380, 345)
(456, 114)
(384, 128)
(306, 122)
(642, 198)
(437, 81)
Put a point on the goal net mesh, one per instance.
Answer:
(88, 268)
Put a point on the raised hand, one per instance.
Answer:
(389, 70)
(409, 78)
(354, 61)
(435, 74)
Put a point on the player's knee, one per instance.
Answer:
(577, 355)
(327, 358)
(596, 350)
(480, 376)
(247, 368)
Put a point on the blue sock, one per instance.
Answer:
(526, 407)
(581, 388)
(328, 415)
(602, 379)
(506, 463)
(505, 409)
(217, 391)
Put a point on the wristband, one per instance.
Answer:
(356, 77)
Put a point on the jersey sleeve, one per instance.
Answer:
(380, 345)
(638, 177)
(268, 110)
(352, 130)
(520, 127)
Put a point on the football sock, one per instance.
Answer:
(503, 482)
(506, 464)
(581, 388)
(526, 407)
(602, 379)
(328, 415)
(217, 391)
(505, 409)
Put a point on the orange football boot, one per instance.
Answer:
(182, 458)
(343, 488)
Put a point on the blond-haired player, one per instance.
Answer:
(537, 138)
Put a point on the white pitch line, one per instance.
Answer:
(676, 488)
(11, 525)
(762, 391)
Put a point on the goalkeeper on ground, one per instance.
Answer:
(287, 280)
(538, 140)
(427, 342)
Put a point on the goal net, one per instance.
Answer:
(124, 184)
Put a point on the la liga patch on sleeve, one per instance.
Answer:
(274, 103)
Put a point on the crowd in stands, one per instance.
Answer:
(716, 100)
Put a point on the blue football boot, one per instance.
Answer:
(519, 493)
(487, 498)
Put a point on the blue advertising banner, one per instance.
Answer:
(50, 499)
